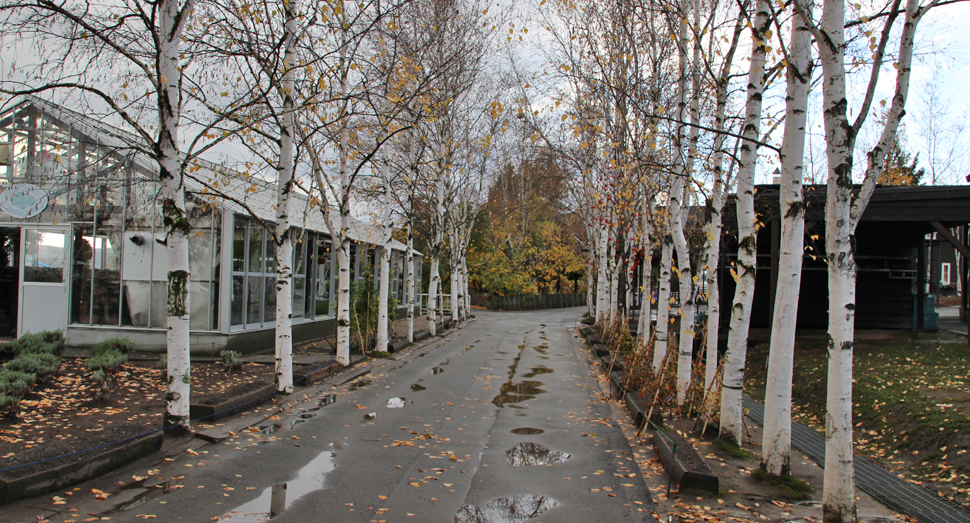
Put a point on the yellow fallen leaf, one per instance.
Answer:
(382, 497)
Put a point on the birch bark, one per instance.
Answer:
(663, 302)
(731, 413)
(776, 440)
(171, 28)
(284, 250)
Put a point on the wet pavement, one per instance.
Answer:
(495, 423)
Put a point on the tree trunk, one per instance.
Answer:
(384, 280)
(643, 326)
(776, 441)
(171, 24)
(409, 261)
(731, 413)
(663, 302)
(283, 236)
(343, 301)
(433, 295)
(602, 278)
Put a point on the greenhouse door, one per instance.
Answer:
(43, 275)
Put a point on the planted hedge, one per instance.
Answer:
(33, 357)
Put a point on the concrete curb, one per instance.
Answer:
(701, 479)
(58, 478)
(210, 413)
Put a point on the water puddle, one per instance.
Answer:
(542, 349)
(274, 500)
(142, 498)
(517, 392)
(418, 387)
(527, 431)
(537, 371)
(360, 384)
(370, 416)
(396, 403)
(329, 399)
(437, 370)
(526, 454)
(513, 509)
(267, 430)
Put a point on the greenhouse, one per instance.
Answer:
(83, 246)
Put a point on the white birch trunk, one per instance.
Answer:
(433, 295)
(732, 417)
(283, 236)
(455, 293)
(663, 302)
(776, 440)
(171, 26)
(643, 326)
(465, 289)
(342, 240)
(409, 286)
(343, 300)
(384, 281)
(602, 277)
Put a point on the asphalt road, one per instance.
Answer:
(496, 422)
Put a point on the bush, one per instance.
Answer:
(41, 364)
(55, 340)
(104, 382)
(231, 360)
(122, 345)
(109, 359)
(9, 405)
(15, 383)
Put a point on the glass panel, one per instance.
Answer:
(255, 248)
(299, 295)
(200, 255)
(353, 263)
(322, 292)
(44, 256)
(236, 300)
(159, 304)
(137, 297)
(299, 254)
(9, 280)
(269, 300)
(81, 275)
(253, 299)
(199, 305)
(107, 278)
(270, 253)
(311, 249)
(239, 245)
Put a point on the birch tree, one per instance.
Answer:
(843, 212)
(744, 271)
(776, 438)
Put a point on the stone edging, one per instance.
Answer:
(58, 478)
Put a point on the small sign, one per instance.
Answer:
(23, 200)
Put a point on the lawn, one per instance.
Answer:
(911, 403)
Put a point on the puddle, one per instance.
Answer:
(142, 498)
(418, 387)
(359, 384)
(542, 349)
(437, 370)
(527, 431)
(446, 362)
(270, 429)
(500, 352)
(396, 403)
(370, 416)
(537, 371)
(274, 500)
(329, 399)
(513, 509)
(526, 454)
(517, 392)
(307, 416)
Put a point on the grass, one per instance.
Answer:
(731, 449)
(790, 486)
(911, 404)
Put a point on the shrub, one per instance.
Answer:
(55, 340)
(9, 405)
(109, 359)
(231, 360)
(104, 382)
(42, 364)
(15, 383)
(122, 345)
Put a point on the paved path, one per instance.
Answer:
(444, 433)
(885, 487)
